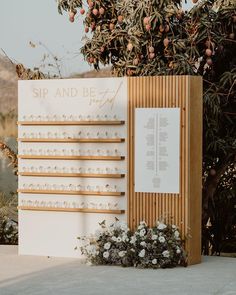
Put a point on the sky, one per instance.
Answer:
(25, 21)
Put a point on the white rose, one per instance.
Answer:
(176, 233)
(178, 251)
(124, 237)
(122, 253)
(107, 246)
(142, 253)
(133, 240)
(154, 261)
(154, 237)
(166, 253)
(143, 244)
(162, 239)
(118, 239)
(106, 254)
(161, 226)
(142, 232)
(114, 239)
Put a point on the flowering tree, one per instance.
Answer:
(156, 37)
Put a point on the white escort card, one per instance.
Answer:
(157, 150)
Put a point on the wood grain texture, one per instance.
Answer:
(184, 209)
(75, 193)
(87, 158)
(82, 175)
(71, 140)
(69, 123)
(56, 209)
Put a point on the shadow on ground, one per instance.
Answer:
(27, 275)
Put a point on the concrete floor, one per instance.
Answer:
(27, 275)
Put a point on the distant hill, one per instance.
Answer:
(8, 86)
(8, 83)
(106, 72)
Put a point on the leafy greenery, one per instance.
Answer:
(8, 219)
(152, 37)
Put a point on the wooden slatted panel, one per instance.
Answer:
(169, 91)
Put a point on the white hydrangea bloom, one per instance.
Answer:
(114, 239)
(178, 251)
(174, 226)
(124, 226)
(122, 253)
(162, 239)
(143, 244)
(142, 253)
(176, 234)
(154, 261)
(161, 226)
(107, 246)
(142, 232)
(166, 253)
(124, 238)
(133, 240)
(154, 237)
(142, 224)
(106, 254)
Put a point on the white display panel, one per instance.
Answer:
(157, 150)
(48, 104)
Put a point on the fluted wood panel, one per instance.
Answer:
(184, 209)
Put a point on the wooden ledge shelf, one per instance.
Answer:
(70, 123)
(97, 158)
(73, 140)
(83, 175)
(105, 211)
(75, 193)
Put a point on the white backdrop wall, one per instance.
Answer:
(52, 233)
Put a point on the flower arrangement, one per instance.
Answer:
(157, 247)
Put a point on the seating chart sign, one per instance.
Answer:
(157, 150)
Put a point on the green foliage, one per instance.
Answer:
(146, 38)
(8, 219)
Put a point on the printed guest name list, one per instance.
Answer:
(157, 148)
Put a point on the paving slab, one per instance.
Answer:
(30, 275)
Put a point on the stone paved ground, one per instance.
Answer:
(27, 275)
